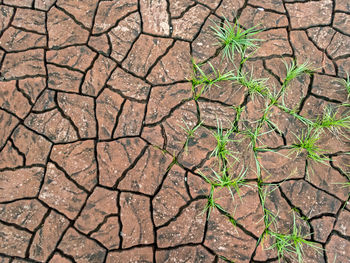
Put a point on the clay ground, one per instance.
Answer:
(92, 96)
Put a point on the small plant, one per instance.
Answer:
(211, 203)
(202, 82)
(225, 180)
(333, 123)
(346, 84)
(308, 142)
(294, 70)
(222, 139)
(190, 133)
(233, 38)
(254, 86)
(291, 244)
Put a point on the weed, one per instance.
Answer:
(346, 84)
(308, 142)
(291, 244)
(233, 38)
(254, 86)
(202, 82)
(294, 70)
(211, 203)
(190, 132)
(225, 180)
(333, 123)
(221, 152)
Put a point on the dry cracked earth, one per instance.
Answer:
(92, 96)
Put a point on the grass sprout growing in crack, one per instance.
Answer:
(336, 125)
(307, 141)
(202, 82)
(346, 84)
(292, 244)
(190, 132)
(211, 203)
(294, 70)
(221, 152)
(254, 86)
(225, 179)
(233, 38)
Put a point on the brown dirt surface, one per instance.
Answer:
(95, 162)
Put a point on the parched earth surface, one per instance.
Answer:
(93, 95)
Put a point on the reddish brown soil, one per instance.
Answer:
(92, 94)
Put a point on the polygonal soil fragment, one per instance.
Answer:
(57, 258)
(7, 123)
(25, 213)
(108, 106)
(115, 157)
(343, 223)
(130, 120)
(165, 98)
(304, 15)
(322, 227)
(187, 254)
(77, 57)
(281, 165)
(148, 173)
(63, 79)
(13, 242)
(176, 8)
(252, 16)
(97, 76)
(338, 46)
(24, 64)
(63, 31)
(18, 40)
(83, 11)
(100, 44)
(309, 199)
(20, 183)
(306, 51)
(80, 109)
(174, 66)
(13, 100)
(10, 157)
(24, 3)
(108, 233)
(329, 87)
(99, 204)
(328, 179)
(6, 14)
(81, 248)
(61, 193)
(198, 148)
(188, 227)
(78, 160)
(35, 147)
(44, 5)
(244, 206)
(229, 8)
(32, 87)
(47, 236)
(276, 43)
(128, 85)
(109, 12)
(30, 19)
(53, 125)
(123, 35)
(227, 240)
(164, 207)
(155, 17)
(205, 44)
(321, 36)
(136, 221)
(213, 113)
(342, 22)
(336, 249)
(141, 254)
(189, 24)
(176, 136)
(267, 4)
(145, 52)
